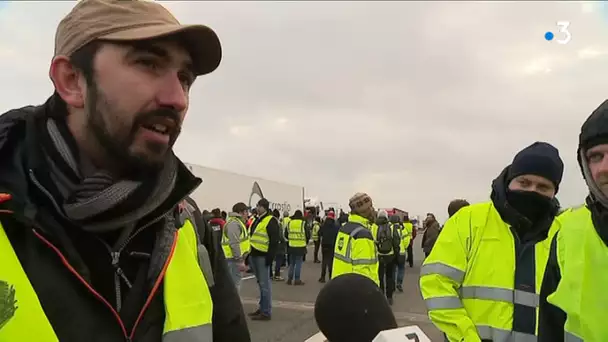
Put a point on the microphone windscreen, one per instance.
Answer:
(351, 308)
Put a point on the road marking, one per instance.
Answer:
(248, 277)
(307, 306)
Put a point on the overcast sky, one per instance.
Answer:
(415, 103)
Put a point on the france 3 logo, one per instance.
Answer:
(563, 35)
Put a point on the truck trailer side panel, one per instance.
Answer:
(222, 189)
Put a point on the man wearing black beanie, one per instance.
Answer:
(573, 296)
(482, 279)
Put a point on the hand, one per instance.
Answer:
(241, 266)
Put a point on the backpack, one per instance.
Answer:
(385, 239)
(399, 228)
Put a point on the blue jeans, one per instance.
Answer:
(262, 274)
(400, 273)
(235, 274)
(295, 267)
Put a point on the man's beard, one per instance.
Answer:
(118, 143)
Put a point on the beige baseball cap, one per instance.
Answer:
(134, 20)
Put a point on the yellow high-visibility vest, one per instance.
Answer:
(296, 233)
(355, 250)
(582, 258)
(188, 303)
(244, 243)
(259, 239)
(469, 293)
(315, 231)
(406, 237)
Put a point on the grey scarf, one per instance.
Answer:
(99, 193)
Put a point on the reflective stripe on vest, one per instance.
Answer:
(296, 235)
(259, 239)
(582, 258)
(244, 244)
(188, 303)
(569, 337)
(473, 292)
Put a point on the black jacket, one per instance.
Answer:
(274, 230)
(329, 233)
(71, 270)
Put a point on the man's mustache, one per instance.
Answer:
(171, 114)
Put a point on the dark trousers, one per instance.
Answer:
(327, 253)
(410, 254)
(317, 245)
(279, 259)
(386, 273)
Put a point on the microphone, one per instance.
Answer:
(351, 308)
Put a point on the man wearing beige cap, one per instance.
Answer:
(355, 250)
(93, 242)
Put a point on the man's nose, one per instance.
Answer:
(173, 93)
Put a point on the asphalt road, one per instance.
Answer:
(293, 315)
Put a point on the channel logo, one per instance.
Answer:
(563, 35)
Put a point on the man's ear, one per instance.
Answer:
(68, 81)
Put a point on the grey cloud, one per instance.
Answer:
(416, 103)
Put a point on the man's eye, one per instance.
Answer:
(186, 79)
(596, 157)
(148, 63)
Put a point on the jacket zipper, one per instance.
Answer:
(157, 283)
(115, 254)
(84, 282)
(115, 258)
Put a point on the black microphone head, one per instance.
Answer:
(351, 308)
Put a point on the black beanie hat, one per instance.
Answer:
(539, 159)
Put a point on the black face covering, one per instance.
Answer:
(530, 204)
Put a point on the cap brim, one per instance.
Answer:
(200, 41)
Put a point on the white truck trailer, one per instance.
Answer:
(222, 189)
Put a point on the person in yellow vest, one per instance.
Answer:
(355, 250)
(94, 244)
(387, 243)
(456, 205)
(482, 278)
(297, 237)
(286, 219)
(316, 225)
(235, 241)
(405, 228)
(573, 295)
(264, 242)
